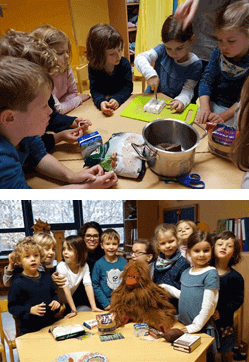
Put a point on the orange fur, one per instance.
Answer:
(146, 303)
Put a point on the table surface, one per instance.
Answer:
(214, 171)
(42, 347)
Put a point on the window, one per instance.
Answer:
(18, 216)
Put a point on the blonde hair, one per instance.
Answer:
(233, 16)
(20, 82)
(191, 223)
(23, 45)
(163, 228)
(110, 234)
(44, 239)
(240, 147)
(25, 245)
(53, 37)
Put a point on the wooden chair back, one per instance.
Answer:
(82, 75)
(6, 334)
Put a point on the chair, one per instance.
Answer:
(143, 84)
(238, 322)
(6, 334)
(2, 347)
(82, 75)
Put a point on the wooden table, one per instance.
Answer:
(217, 173)
(42, 347)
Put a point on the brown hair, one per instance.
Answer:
(101, 37)
(53, 37)
(198, 236)
(23, 45)
(225, 235)
(240, 147)
(110, 234)
(77, 244)
(150, 247)
(233, 16)
(20, 82)
(172, 30)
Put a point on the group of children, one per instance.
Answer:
(195, 268)
(44, 54)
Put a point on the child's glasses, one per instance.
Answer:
(138, 253)
(89, 236)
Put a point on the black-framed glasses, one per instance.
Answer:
(138, 253)
(89, 236)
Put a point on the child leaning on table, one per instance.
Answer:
(76, 271)
(228, 67)
(199, 291)
(170, 264)
(47, 243)
(107, 270)
(110, 74)
(177, 70)
(24, 115)
(65, 91)
(32, 296)
(227, 253)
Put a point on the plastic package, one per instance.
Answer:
(220, 139)
(154, 106)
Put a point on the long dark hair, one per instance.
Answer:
(78, 244)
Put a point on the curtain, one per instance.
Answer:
(152, 14)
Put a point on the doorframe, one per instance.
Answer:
(195, 206)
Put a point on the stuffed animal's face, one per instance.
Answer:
(132, 279)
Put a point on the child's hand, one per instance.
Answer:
(185, 13)
(184, 330)
(216, 315)
(11, 262)
(84, 97)
(54, 305)
(39, 309)
(113, 104)
(202, 116)
(106, 109)
(80, 122)
(70, 315)
(215, 118)
(69, 135)
(95, 309)
(58, 280)
(108, 307)
(176, 105)
(103, 182)
(153, 82)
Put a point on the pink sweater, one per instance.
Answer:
(65, 92)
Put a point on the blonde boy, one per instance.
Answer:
(107, 270)
(32, 296)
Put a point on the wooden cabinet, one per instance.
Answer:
(140, 215)
(119, 13)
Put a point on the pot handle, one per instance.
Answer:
(134, 145)
(197, 124)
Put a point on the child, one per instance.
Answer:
(65, 90)
(223, 78)
(110, 74)
(107, 270)
(227, 253)
(198, 294)
(144, 250)
(32, 296)
(24, 113)
(47, 243)
(170, 263)
(184, 229)
(177, 70)
(76, 271)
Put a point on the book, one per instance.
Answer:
(245, 233)
(187, 343)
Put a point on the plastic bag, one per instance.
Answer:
(220, 139)
(118, 155)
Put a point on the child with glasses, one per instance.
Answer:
(107, 270)
(170, 264)
(144, 250)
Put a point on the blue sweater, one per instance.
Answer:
(26, 292)
(12, 161)
(117, 85)
(222, 80)
(106, 278)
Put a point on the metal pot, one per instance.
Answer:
(170, 131)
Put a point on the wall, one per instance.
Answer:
(210, 211)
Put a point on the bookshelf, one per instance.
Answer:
(130, 221)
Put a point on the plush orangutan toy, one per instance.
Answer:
(137, 299)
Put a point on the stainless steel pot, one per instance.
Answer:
(170, 131)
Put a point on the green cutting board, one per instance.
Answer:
(135, 110)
